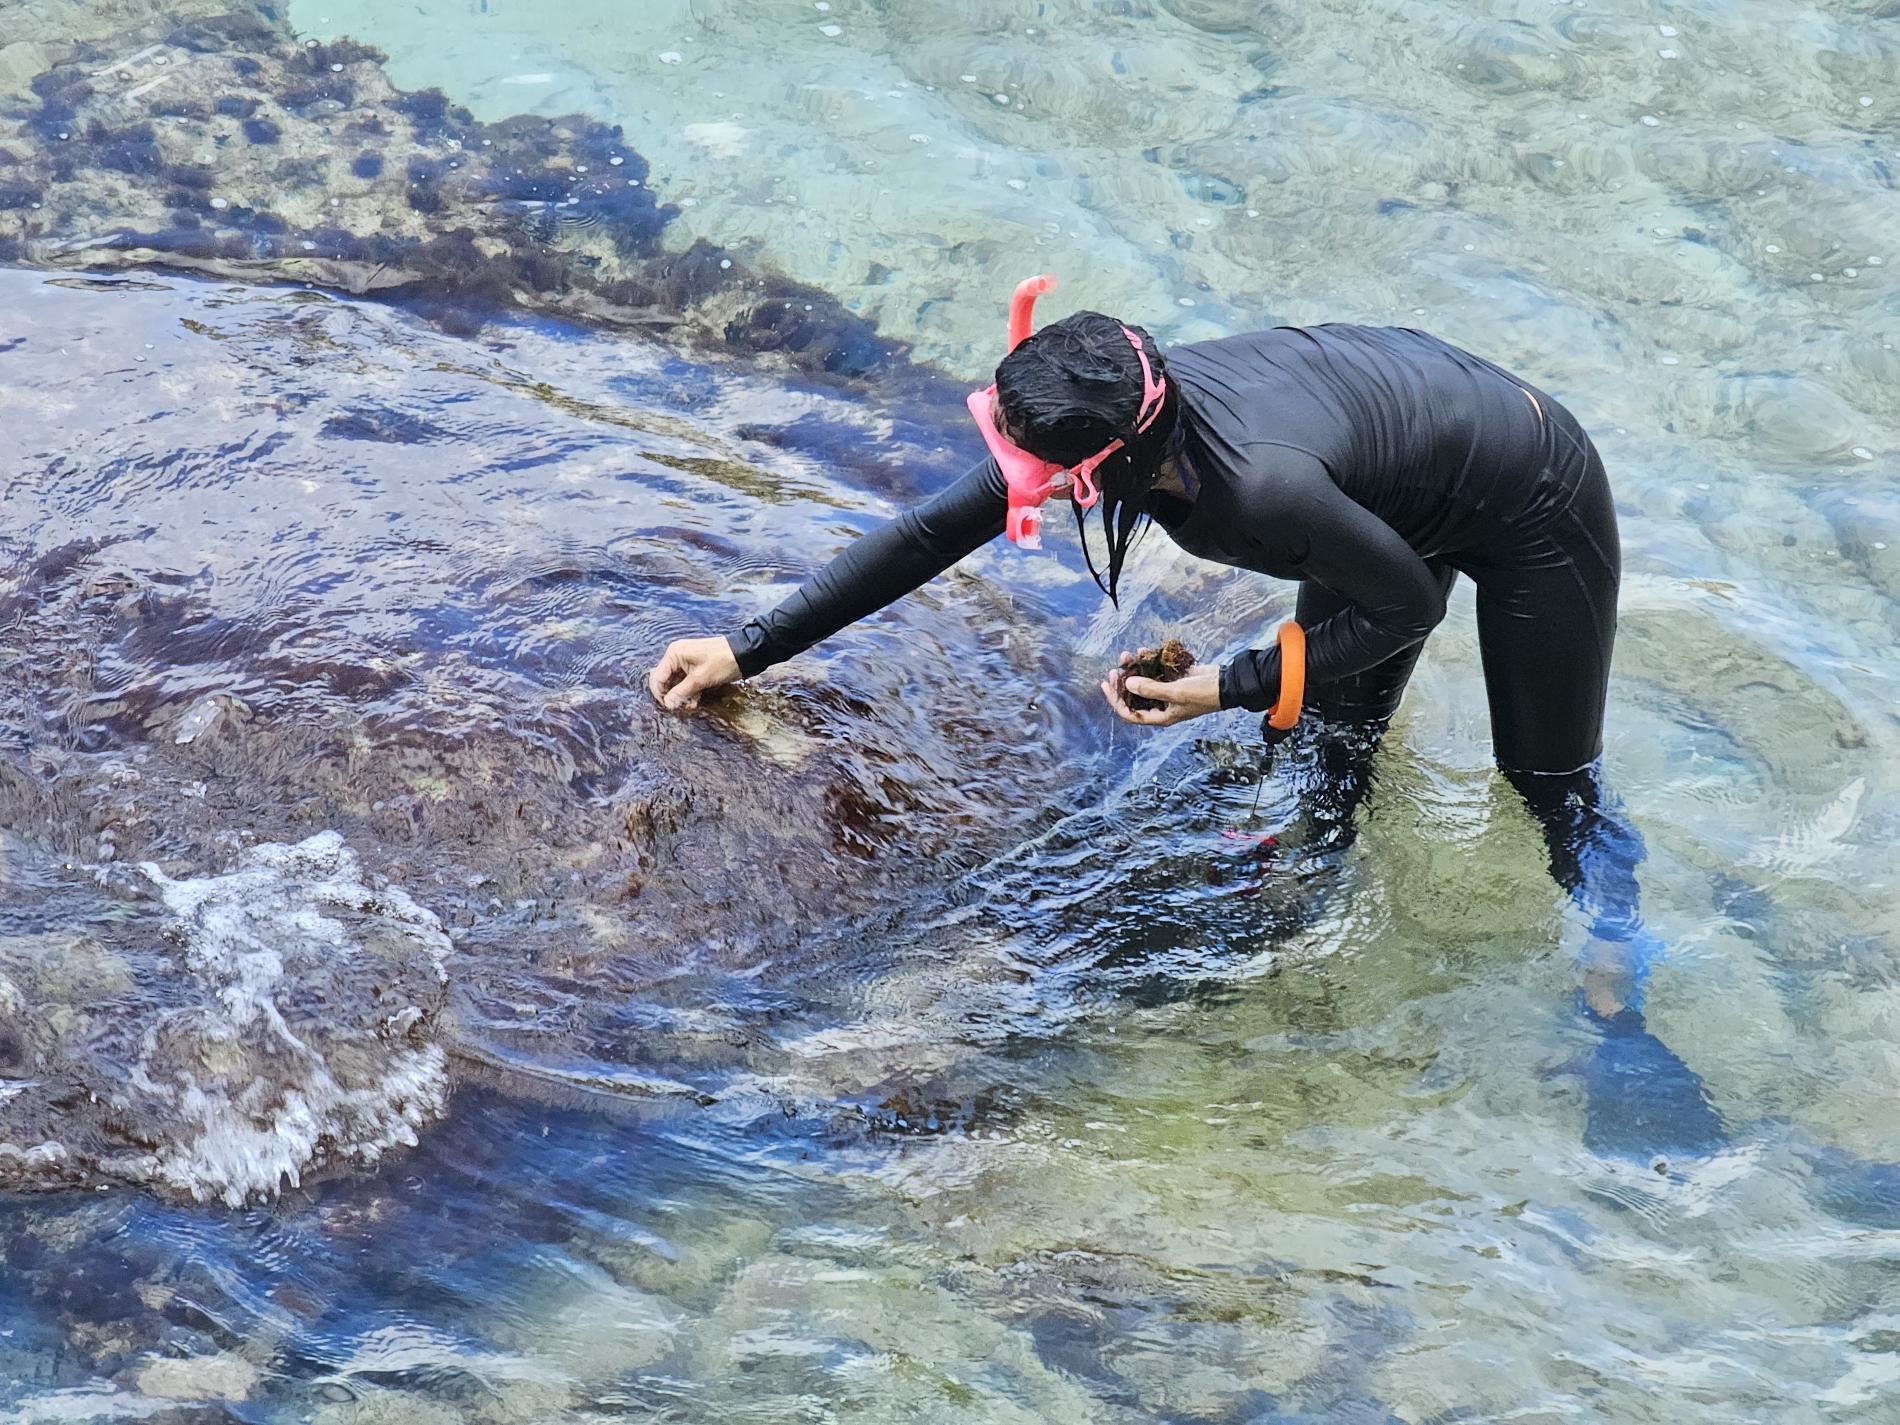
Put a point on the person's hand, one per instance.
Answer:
(689, 668)
(1193, 694)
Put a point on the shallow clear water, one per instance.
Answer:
(819, 1058)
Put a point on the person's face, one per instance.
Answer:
(1063, 486)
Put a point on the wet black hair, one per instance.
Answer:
(1070, 389)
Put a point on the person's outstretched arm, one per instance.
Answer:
(867, 574)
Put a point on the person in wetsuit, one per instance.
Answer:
(1373, 465)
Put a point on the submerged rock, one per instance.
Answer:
(226, 145)
(279, 1018)
(224, 1376)
(439, 828)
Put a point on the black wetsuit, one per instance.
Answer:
(1372, 464)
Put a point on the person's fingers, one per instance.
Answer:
(1148, 688)
(685, 693)
(662, 674)
(1127, 658)
(1141, 718)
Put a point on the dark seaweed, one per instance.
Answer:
(335, 90)
(308, 172)
(234, 31)
(425, 176)
(60, 95)
(1164, 665)
(435, 118)
(129, 150)
(177, 106)
(526, 183)
(389, 427)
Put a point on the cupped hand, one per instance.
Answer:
(690, 668)
(1192, 695)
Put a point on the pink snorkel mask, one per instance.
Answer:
(1031, 480)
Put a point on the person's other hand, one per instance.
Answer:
(1194, 694)
(689, 668)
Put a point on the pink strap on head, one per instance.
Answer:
(1084, 491)
(1151, 389)
(1152, 392)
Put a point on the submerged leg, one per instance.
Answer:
(1640, 1098)
(1594, 852)
(1547, 626)
(1285, 881)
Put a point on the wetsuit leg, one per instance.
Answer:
(1372, 696)
(1547, 626)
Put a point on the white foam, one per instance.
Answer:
(263, 1089)
(87, 1403)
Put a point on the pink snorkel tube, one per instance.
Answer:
(1030, 479)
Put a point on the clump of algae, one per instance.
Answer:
(1170, 661)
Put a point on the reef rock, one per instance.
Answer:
(438, 827)
(226, 145)
(275, 1018)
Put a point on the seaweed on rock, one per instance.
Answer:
(479, 793)
(226, 145)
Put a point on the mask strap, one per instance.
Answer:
(1152, 391)
(1084, 494)
(1084, 476)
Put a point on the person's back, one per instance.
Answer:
(1451, 451)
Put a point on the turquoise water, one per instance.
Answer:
(1030, 1096)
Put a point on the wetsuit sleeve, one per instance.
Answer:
(878, 568)
(1315, 531)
